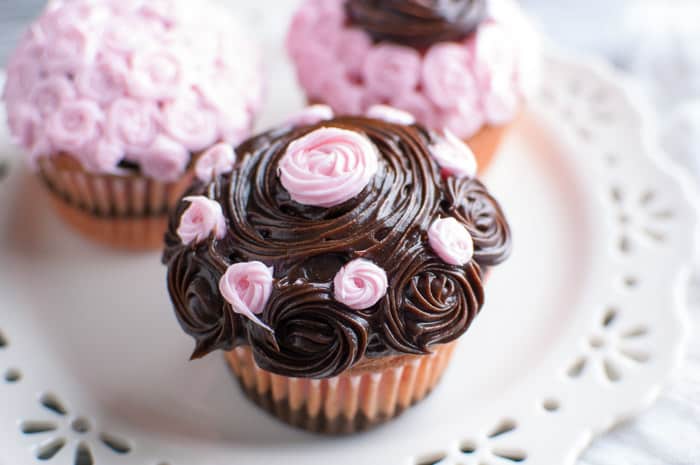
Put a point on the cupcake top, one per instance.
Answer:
(459, 64)
(333, 240)
(416, 23)
(129, 86)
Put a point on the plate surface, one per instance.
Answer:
(581, 329)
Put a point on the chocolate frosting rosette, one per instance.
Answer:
(336, 260)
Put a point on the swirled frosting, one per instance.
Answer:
(347, 282)
(416, 23)
(458, 81)
(124, 85)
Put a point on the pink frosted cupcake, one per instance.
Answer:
(464, 66)
(113, 100)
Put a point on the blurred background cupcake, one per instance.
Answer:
(465, 66)
(337, 262)
(113, 100)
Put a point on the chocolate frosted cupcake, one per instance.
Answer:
(462, 65)
(113, 100)
(336, 263)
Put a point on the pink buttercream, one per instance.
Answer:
(132, 123)
(191, 124)
(461, 85)
(216, 161)
(165, 159)
(447, 77)
(156, 75)
(391, 70)
(48, 95)
(74, 125)
(344, 96)
(454, 156)
(24, 123)
(247, 287)
(451, 241)
(106, 80)
(354, 46)
(328, 166)
(418, 105)
(391, 115)
(113, 79)
(312, 115)
(202, 219)
(106, 157)
(360, 284)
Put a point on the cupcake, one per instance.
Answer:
(336, 262)
(463, 65)
(114, 100)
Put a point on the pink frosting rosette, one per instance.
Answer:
(328, 166)
(391, 70)
(360, 284)
(214, 162)
(106, 81)
(47, 96)
(461, 85)
(113, 80)
(133, 124)
(447, 76)
(74, 125)
(247, 287)
(202, 219)
(451, 241)
(391, 115)
(312, 115)
(190, 123)
(165, 160)
(454, 156)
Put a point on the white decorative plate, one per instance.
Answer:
(582, 327)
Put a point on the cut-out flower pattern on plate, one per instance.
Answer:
(8, 375)
(496, 447)
(613, 347)
(60, 428)
(643, 218)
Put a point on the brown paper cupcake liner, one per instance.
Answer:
(127, 212)
(343, 404)
(486, 143)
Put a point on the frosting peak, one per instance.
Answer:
(417, 23)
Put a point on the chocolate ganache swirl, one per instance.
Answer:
(306, 331)
(417, 23)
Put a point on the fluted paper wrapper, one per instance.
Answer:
(129, 212)
(486, 143)
(344, 404)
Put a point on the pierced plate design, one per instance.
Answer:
(581, 330)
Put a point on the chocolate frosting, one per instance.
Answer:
(417, 23)
(313, 335)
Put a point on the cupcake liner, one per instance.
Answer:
(343, 404)
(486, 143)
(126, 212)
